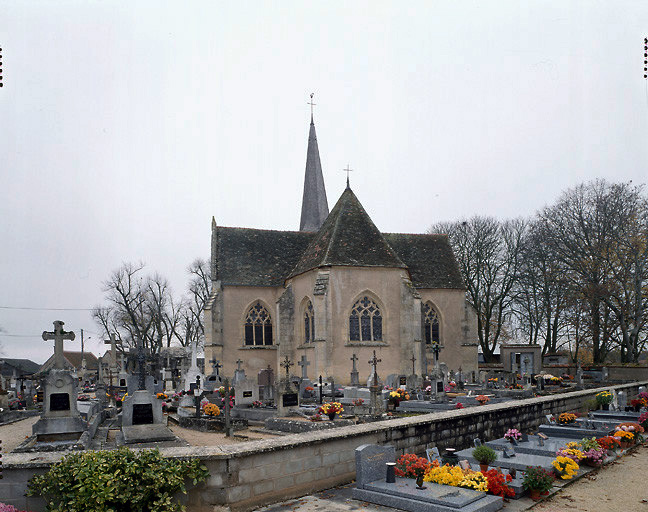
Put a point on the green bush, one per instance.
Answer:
(116, 481)
(484, 454)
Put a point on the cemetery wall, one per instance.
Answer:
(616, 372)
(243, 476)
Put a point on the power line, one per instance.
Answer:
(20, 335)
(47, 309)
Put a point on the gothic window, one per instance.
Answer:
(365, 321)
(309, 323)
(431, 325)
(258, 326)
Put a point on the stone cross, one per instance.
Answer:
(374, 362)
(413, 361)
(238, 364)
(141, 365)
(355, 381)
(354, 358)
(304, 363)
(216, 366)
(58, 336)
(286, 363)
(113, 355)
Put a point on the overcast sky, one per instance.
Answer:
(126, 125)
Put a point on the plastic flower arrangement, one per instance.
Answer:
(316, 417)
(571, 453)
(211, 410)
(555, 380)
(643, 396)
(565, 467)
(358, 402)
(513, 434)
(538, 478)
(497, 483)
(587, 444)
(604, 398)
(331, 408)
(493, 379)
(428, 389)
(411, 466)
(162, 396)
(459, 405)
(633, 428)
(482, 399)
(638, 402)
(398, 395)
(566, 418)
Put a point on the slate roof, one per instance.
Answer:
(314, 204)
(348, 237)
(22, 366)
(257, 257)
(429, 258)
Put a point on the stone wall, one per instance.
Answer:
(250, 474)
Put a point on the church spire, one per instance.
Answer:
(314, 204)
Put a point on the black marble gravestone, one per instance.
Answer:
(142, 414)
(60, 402)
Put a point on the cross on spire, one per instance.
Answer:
(311, 104)
(347, 170)
(58, 336)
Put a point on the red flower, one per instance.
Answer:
(497, 483)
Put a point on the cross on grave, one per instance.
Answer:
(286, 363)
(238, 364)
(217, 366)
(374, 362)
(413, 360)
(141, 365)
(58, 336)
(304, 363)
(113, 355)
(354, 358)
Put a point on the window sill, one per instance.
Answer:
(305, 345)
(366, 344)
(258, 347)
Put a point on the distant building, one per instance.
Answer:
(73, 361)
(11, 369)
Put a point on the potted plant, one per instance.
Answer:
(485, 455)
(604, 399)
(564, 467)
(537, 480)
(482, 399)
(566, 418)
(331, 409)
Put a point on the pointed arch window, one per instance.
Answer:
(258, 326)
(309, 323)
(431, 325)
(365, 321)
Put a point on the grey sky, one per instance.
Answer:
(126, 126)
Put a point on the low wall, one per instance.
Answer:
(250, 474)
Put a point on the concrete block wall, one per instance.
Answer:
(251, 474)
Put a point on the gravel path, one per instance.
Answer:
(15, 433)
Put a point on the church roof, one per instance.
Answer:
(314, 204)
(256, 257)
(348, 237)
(429, 258)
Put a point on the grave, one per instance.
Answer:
(355, 379)
(245, 393)
(265, 380)
(510, 459)
(533, 445)
(288, 396)
(573, 431)
(194, 371)
(371, 486)
(239, 373)
(214, 380)
(60, 420)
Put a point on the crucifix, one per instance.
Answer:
(347, 170)
(413, 360)
(238, 364)
(354, 358)
(311, 104)
(286, 363)
(141, 366)
(216, 366)
(58, 336)
(374, 362)
(304, 363)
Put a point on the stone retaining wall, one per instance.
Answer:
(250, 474)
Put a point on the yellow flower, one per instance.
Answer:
(565, 466)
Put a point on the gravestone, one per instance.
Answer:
(413, 382)
(392, 381)
(288, 399)
(622, 399)
(239, 373)
(615, 401)
(132, 384)
(304, 364)
(193, 371)
(355, 379)
(265, 379)
(433, 454)
(605, 373)
(60, 420)
(579, 376)
(303, 393)
(214, 380)
(371, 460)
(246, 392)
(141, 408)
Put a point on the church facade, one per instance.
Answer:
(336, 288)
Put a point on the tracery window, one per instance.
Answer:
(431, 325)
(365, 321)
(309, 323)
(258, 326)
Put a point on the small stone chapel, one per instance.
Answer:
(335, 288)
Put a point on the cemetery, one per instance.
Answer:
(405, 440)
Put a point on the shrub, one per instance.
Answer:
(484, 454)
(537, 478)
(118, 481)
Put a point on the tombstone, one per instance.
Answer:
(288, 396)
(464, 464)
(193, 371)
(355, 380)
(413, 382)
(245, 392)
(303, 393)
(392, 381)
(239, 373)
(615, 401)
(579, 376)
(141, 409)
(622, 400)
(304, 364)
(605, 374)
(433, 454)
(266, 379)
(60, 419)
(375, 399)
(150, 384)
(371, 460)
(509, 452)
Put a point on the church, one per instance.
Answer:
(335, 290)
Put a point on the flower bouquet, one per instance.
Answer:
(513, 434)
(211, 410)
(162, 396)
(609, 443)
(412, 466)
(638, 403)
(397, 396)
(497, 483)
(537, 480)
(564, 467)
(594, 457)
(482, 399)
(566, 418)
(331, 409)
(604, 399)
(358, 402)
(571, 453)
(459, 405)
(643, 420)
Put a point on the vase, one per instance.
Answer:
(535, 494)
(483, 467)
(605, 407)
(331, 415)
(419, 482)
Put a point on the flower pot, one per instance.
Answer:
(637, 408)
(605, 407)
(419, 482)
(590, 463)
(535, 494)
(483, 467)
(331, 415)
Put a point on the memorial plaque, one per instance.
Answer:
(509, 452)
(439, 387)
(464, 464)
(477, 442)
(60, 402)
(247, 394)
(122, 383)
(433, 454)
(289, 399)
(402, 381)
(142, 414)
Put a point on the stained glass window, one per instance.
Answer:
(365, 321)
(430, 325)
(258, 326)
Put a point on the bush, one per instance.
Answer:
(484, 454)
(538, 479)
(118, 481)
